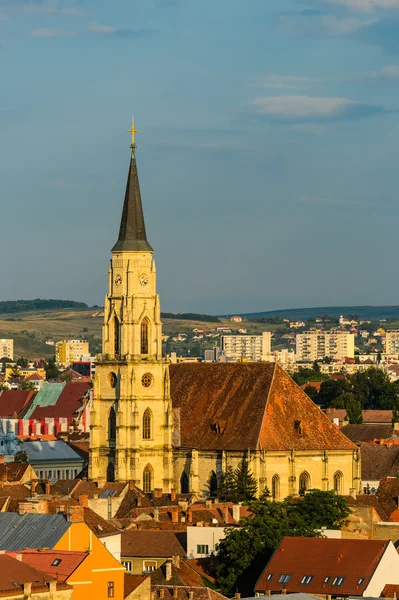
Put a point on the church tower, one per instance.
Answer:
(131, 418)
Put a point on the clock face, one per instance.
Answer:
(143, 279)
(118, 279)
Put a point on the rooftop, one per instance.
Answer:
(150, 544)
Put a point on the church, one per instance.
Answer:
(182, 426)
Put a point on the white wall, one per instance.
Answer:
(386, 572)
(203, 536)
(113, 544)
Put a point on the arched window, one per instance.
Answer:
(112, 425)
(304, 482)
(110, 472)
(213, 484)
(184, 483)
(144, 327)
(338, 481)
(117, 336)
(147, 424)
(147, 479)
(276, 487)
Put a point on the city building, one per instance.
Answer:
(7, 348)
(25, 372)
(236, 319)
(53, 459)
(391, 342)
(20, 581)
(69, 351)
(181, 426)
(246, 347)
(316, 345)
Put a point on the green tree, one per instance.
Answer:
(52, 371)
(330, 390)
(27, 385)
(227, 489)
(245, 482)
(14, 372)
(316, 367)
(311, 392)
(354, 411)
(21, 457)
(22, 361)
(395, 415)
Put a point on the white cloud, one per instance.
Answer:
(48, 32)
(97, 28)
(290, 82)
(301, 107)
(390, 72)
(366, 5)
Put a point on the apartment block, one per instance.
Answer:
(391, 342)
(7, 349)
(246, 347)
(316, 345)
(69, 351)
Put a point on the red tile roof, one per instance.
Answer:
(321, 558)
(14, 573)
(132, 582)
(69, 401)
(218, 402)
(43, 561)
(13, 401)
(163, 544)
(390, 591)
(13, 471)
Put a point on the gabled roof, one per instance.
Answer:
(13, 401)
(353, 560)
(13, 471)
(181, 574)
(14, 573)
(67, 561)
(367, 432)
(241, 406)
(388, 495)
(379, 460)
(66, 403)
(162, 544)
(98, 525)
(31, 530)
(132, 582)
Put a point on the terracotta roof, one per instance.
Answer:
(44, 559)
(367, 432)
(13, 401)
(205, 567)
(85, 487)
(34, 377)
(16, 494)
(370, 501)
(68, 402)
(378, 461)
(13, 471)
(354, 560)
(81, 447)
(388, 494)
(390, 591)
(98, 525)
(14, 573)
(183, 593)
(153, 543)
(132, 582)
(181, 574)
(63, 487)
(218, 401)
(314, 384)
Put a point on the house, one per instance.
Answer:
(53, 459)
(330, 567)
(236, 319)
(21, 581)
(16, 473)
(103, 573)
(378, 461)
(145, 551)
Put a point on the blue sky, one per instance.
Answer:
(268, 148)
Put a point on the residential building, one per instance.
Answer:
(25, 372)
(145, 551)
(391, 342)
(69, 351)
(202, 541)
(7, 348)
(20, 581)
(53, 459)
(236, 319)
(16, 473)
(246, 347)
(337, 568)
(316, 345)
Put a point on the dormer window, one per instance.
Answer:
(299, 427)
(306, 579)
(269, 577)
(284, 578)
(56, 562)
(338, 580)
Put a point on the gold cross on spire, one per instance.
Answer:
(133, 131)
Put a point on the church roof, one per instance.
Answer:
(132, 233)
(240, 406)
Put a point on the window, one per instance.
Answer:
(147, 479)
(112, 425)
(213, 483)
(276, 487)
(66, 473)
(326, 579)
(147, 424)
(338, 481)
(360, 581)
(338, 580)
(127, 564)
(284, 578)
(184, 483)
(269, 577)
(149, 565)
(59, 474)
(144, 336)
(41, 474)
(307, 579)
(111, 589)
(146, 380)
(202, 549)
(56, 562)
(116, 336)
(304, 482)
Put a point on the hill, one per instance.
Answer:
(372, 313)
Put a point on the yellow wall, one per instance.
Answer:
(90, 579)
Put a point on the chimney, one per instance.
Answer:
(189, 515)
(353, 493)
(168, 571)
(76, 514)
(33, 485)
(175, 515)
(1, 459)
(158, 492)
(53, 586)
(175, 591)
(236, 513)
(284, 591)
(139, 502)
(396, 426)
(84, 500)
(131, 486)
(226, 514)
(176, 561)
(208, 503)
(237, 595)
(47, 487)
(173, 495)
(161, 593)
(156, 514)
(27, 590)
(268, 592)
(190, 595)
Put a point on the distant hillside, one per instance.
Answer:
(16, 306)
(373, 313)
(190, 317)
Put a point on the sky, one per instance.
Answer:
(268, 148)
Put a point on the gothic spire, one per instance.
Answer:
(132, 234)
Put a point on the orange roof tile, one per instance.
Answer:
(43, 560)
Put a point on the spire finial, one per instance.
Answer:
(133, 131)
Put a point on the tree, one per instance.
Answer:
(227, 490)
(15, 372)
(22, 361)
(330, 390)
(395, 415)
(379, 357)
(21, 457)
(354, 411)
(311, 392)
(245, 482)
(27, 385)
(373, 389)
(316, 367)
(243, 553)
(52, 371)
